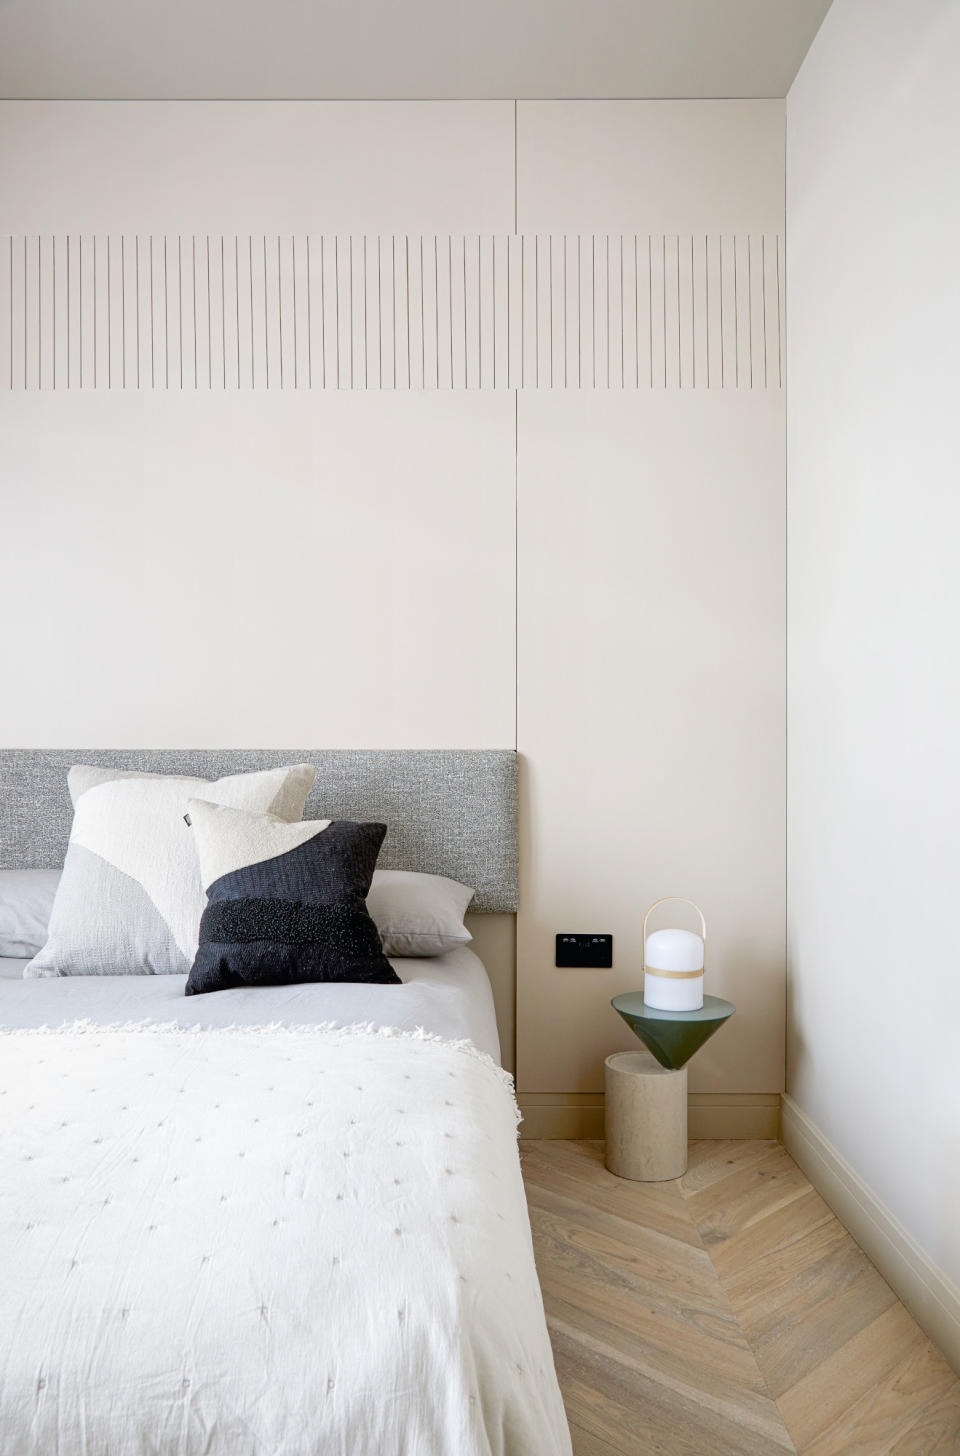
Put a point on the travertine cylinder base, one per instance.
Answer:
(646, 1118)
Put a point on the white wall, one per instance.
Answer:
(253, 566)
(196, 571)
(237, 166)
(873, 217)
(233, 565)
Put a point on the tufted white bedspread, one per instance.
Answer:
(265, 1242)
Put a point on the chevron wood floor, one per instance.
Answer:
(727, 1313)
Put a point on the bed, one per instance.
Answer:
(449, 995)
(288, 1220)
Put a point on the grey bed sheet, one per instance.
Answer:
(448, 995)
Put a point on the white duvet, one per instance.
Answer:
(265, 1242)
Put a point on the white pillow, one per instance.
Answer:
(418, 915)
(26, 900)
(130, 898)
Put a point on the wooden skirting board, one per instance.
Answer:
(932, 1299)
(710, 1114)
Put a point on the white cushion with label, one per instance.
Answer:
(130, 898)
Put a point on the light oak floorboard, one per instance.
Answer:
(796, 1220)
(655, 1205)
(727, 1313)
(585, 1443)
(650, 1355)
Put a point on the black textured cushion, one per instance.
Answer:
(299, 915)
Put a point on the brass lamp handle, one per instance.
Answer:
(673, 975)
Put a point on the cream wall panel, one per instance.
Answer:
(7, 296)
(237, 167)
(195, 571)
(33, 323)
(650, 568)
(17, 311)
(187, 306)
(650, 166)
(650, 714)
(362, 552)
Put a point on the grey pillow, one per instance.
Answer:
(130, 898)
(26, 900)
(418, 915)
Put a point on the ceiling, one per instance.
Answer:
(403, 49)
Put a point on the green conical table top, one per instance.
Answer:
(672, 1036)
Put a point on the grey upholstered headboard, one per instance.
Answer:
(448, 811)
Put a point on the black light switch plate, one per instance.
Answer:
(585, 950)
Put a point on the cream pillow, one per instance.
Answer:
(130, 898)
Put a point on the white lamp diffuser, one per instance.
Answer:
(673, 963)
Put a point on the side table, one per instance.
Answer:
(646, 1091)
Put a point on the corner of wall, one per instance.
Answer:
(932, 1298)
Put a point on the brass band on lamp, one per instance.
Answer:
(671, 975)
